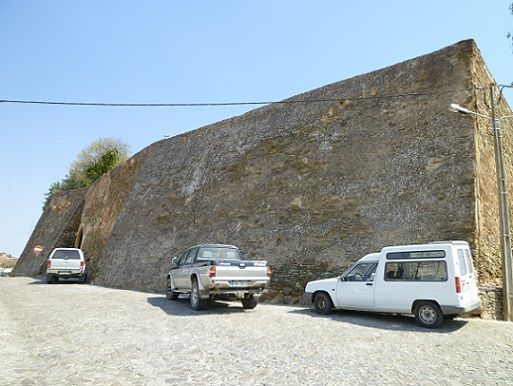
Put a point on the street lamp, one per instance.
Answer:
(507, 273)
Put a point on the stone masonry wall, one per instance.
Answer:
(104, 201)
(310, 187)
(491, 302)
(487, 256)
(324, 182)
(57, 227)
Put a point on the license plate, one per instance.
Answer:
(64, 272)
(237, 283)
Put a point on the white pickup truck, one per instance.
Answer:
(434, 281)
(66, 263)
(216, 271)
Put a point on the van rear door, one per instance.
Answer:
(467, 285)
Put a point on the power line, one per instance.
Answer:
(208, 104)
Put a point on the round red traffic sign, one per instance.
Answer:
(38, 249)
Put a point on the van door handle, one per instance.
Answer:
(368, 283)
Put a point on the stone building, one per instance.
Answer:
(311, 184)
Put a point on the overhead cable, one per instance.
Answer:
(213, 104)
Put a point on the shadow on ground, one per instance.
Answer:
(394, 322)
(182, 307)
(61, 281)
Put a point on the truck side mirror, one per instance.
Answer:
(174, 259)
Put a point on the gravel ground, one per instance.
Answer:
(71, 334)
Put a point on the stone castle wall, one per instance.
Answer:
(57, 227)
(317, 184)
(310, 187)
(489, 264)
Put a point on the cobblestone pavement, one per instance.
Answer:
(71, 334)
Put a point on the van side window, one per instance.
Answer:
(416, 271)
(416, 255)
(362, 272)
(463, 264)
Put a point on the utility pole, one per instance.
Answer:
(507, 274)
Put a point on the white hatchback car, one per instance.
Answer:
(434, 281)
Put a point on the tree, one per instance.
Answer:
(93, 154)
(98, 158)
(107, 161)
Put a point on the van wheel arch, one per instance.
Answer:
(416, 303)
(326, 309)
(428, 313)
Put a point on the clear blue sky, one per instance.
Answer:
(192, 51)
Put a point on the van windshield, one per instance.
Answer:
(66, 254)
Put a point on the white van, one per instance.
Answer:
(434, 281)
(66, 263)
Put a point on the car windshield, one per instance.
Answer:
(66, 254)
(218, 253)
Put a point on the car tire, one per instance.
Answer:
(322, 303)
(170, 294)
(83, 278)
(249, 302)
(49, 279)
(197, 303)
(428, 315)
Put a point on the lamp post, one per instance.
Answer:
(506, 257)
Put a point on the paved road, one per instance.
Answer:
(68, 334)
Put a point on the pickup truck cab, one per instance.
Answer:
(216, 271)
(66, 263)
(434, 281)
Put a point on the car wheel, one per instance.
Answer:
(197, 303)
(322, 303)
(249, 302)
(170, 294)
(83, 278)
(428, 315)
(49, 279)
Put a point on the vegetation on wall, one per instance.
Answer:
(98, 158)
